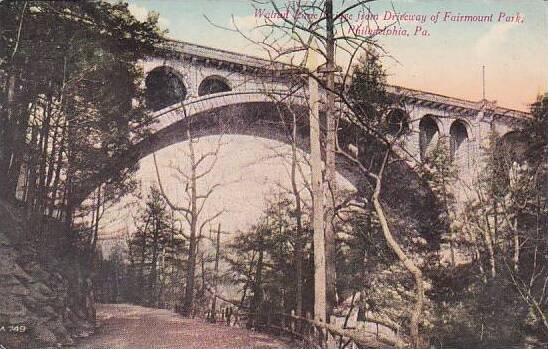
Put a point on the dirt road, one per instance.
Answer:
(123, 326)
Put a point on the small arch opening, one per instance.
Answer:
(428, 136)
(164, 87)
(397, 123)
(213, 84)
(459, 141)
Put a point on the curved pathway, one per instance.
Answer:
(123, 326)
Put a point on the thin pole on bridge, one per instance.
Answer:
(483, 80)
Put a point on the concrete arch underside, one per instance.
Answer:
(404, 194)
(258, 119)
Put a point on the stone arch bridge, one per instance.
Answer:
(210, 91)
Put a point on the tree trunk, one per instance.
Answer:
(55, 143)
(406, 261)
(6, 133)
(188, 301)
(246, 285)
(142, 263)
(95, 230)
(330, 168)
(489, 244)
(516, 246)
(58, 167)
(31, 172)
(44, 144)
(69, 198)
(216, 282)
(318, 207)
(411, 267)
(257, 285)
(154, 263)
(298, 217)
(20, 124)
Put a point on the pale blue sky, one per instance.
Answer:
(448, 61)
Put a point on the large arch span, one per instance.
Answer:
(229, 113)
(259, 115)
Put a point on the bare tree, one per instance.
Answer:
(216, 276)
(192, 210)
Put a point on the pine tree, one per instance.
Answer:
(154, 249)
(262, 261)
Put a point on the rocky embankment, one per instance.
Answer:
(45, 299)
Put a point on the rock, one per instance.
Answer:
(36, 298)
(27, 256)
(25, 278)
(43, 290)
(83, 334)
(58, 279)
(49, 312)
(43, 335)
(18, 290)
(62, 335)
(39, 286)
(12, 310)
(4, 241)
(36, 271)
(8, 282)
(9, 266)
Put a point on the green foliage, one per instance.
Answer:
(375, 110)
(439, 172)
(262, 260)
(498, 297)
(368, 90)
(71, 93)
(112, 277)
(149, 268)
(155, 254)
(368, 267)
(362, 252)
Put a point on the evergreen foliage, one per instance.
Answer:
(262, 261)
(149, 270)
(70, 96)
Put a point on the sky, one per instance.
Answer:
(448, 60)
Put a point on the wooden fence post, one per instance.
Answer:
(292, 321)
(229, 317)
(331, 339)
(310, 328)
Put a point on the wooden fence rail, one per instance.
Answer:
(310, 333)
